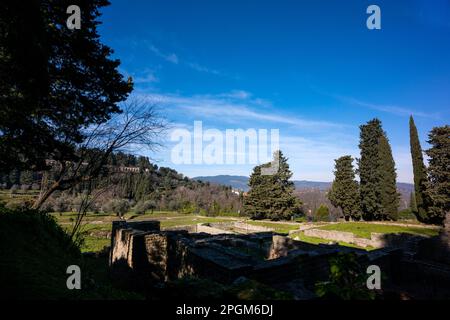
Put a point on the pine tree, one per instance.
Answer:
(439, 173)
(368, 170)
(271, 196)
(423, 201)
(388, 187)
(344, 191)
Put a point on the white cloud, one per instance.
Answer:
(234, 107)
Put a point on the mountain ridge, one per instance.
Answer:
(241, 183)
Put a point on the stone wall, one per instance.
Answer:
(251, 227)
(211, 230)
(377, 240)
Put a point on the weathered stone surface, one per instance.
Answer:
(143, 253)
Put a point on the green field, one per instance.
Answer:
(364, 229)
(314, 240)
(276, 226)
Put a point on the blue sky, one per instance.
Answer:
(311, 69)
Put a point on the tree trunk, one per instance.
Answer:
(44, 196)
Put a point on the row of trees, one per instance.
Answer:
(375, 197)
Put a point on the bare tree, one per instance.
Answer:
(138, 127)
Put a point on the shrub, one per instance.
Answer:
(142, 206)
(322, 213)
(61, 204)
(117, 206)
(18, 205)
(347, 280)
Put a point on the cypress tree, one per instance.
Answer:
(388, 187)
(344, 192)
(368, 170)
(272, 196)
(439, 173)
(412, 202)
(423, 201)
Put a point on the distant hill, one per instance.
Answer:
(236, 182)
(241, 183)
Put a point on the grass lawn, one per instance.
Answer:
(277, 227)
(364, 229)
(314, 240)
(185, 221)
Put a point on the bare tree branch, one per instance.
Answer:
(138, 127)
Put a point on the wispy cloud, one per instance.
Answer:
(175, 59)
(234, 107)
(195, 66)
(170, 57)
(146, 78)
(388, 108)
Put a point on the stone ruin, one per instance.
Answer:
(142, 254)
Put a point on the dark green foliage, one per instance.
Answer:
(378, 190)
(55, 81)
(422, 199)
(191, 288)
(344, 192)
(322, 213)
(369, 170)
(439, 173)
(412, 202)
(271, 196)
(347, 280)
(388, 187)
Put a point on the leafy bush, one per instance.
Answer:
(347, 280)
(142, 206)
(322, 213)
(18, 205)
(117, 206)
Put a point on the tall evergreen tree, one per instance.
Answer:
(55, 81)
(423, 201)
(439, 173)
(368, 170)
(344, 192)
(412, 202)
(271, 196)
(388, 187)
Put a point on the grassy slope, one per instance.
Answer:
(35, 254)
